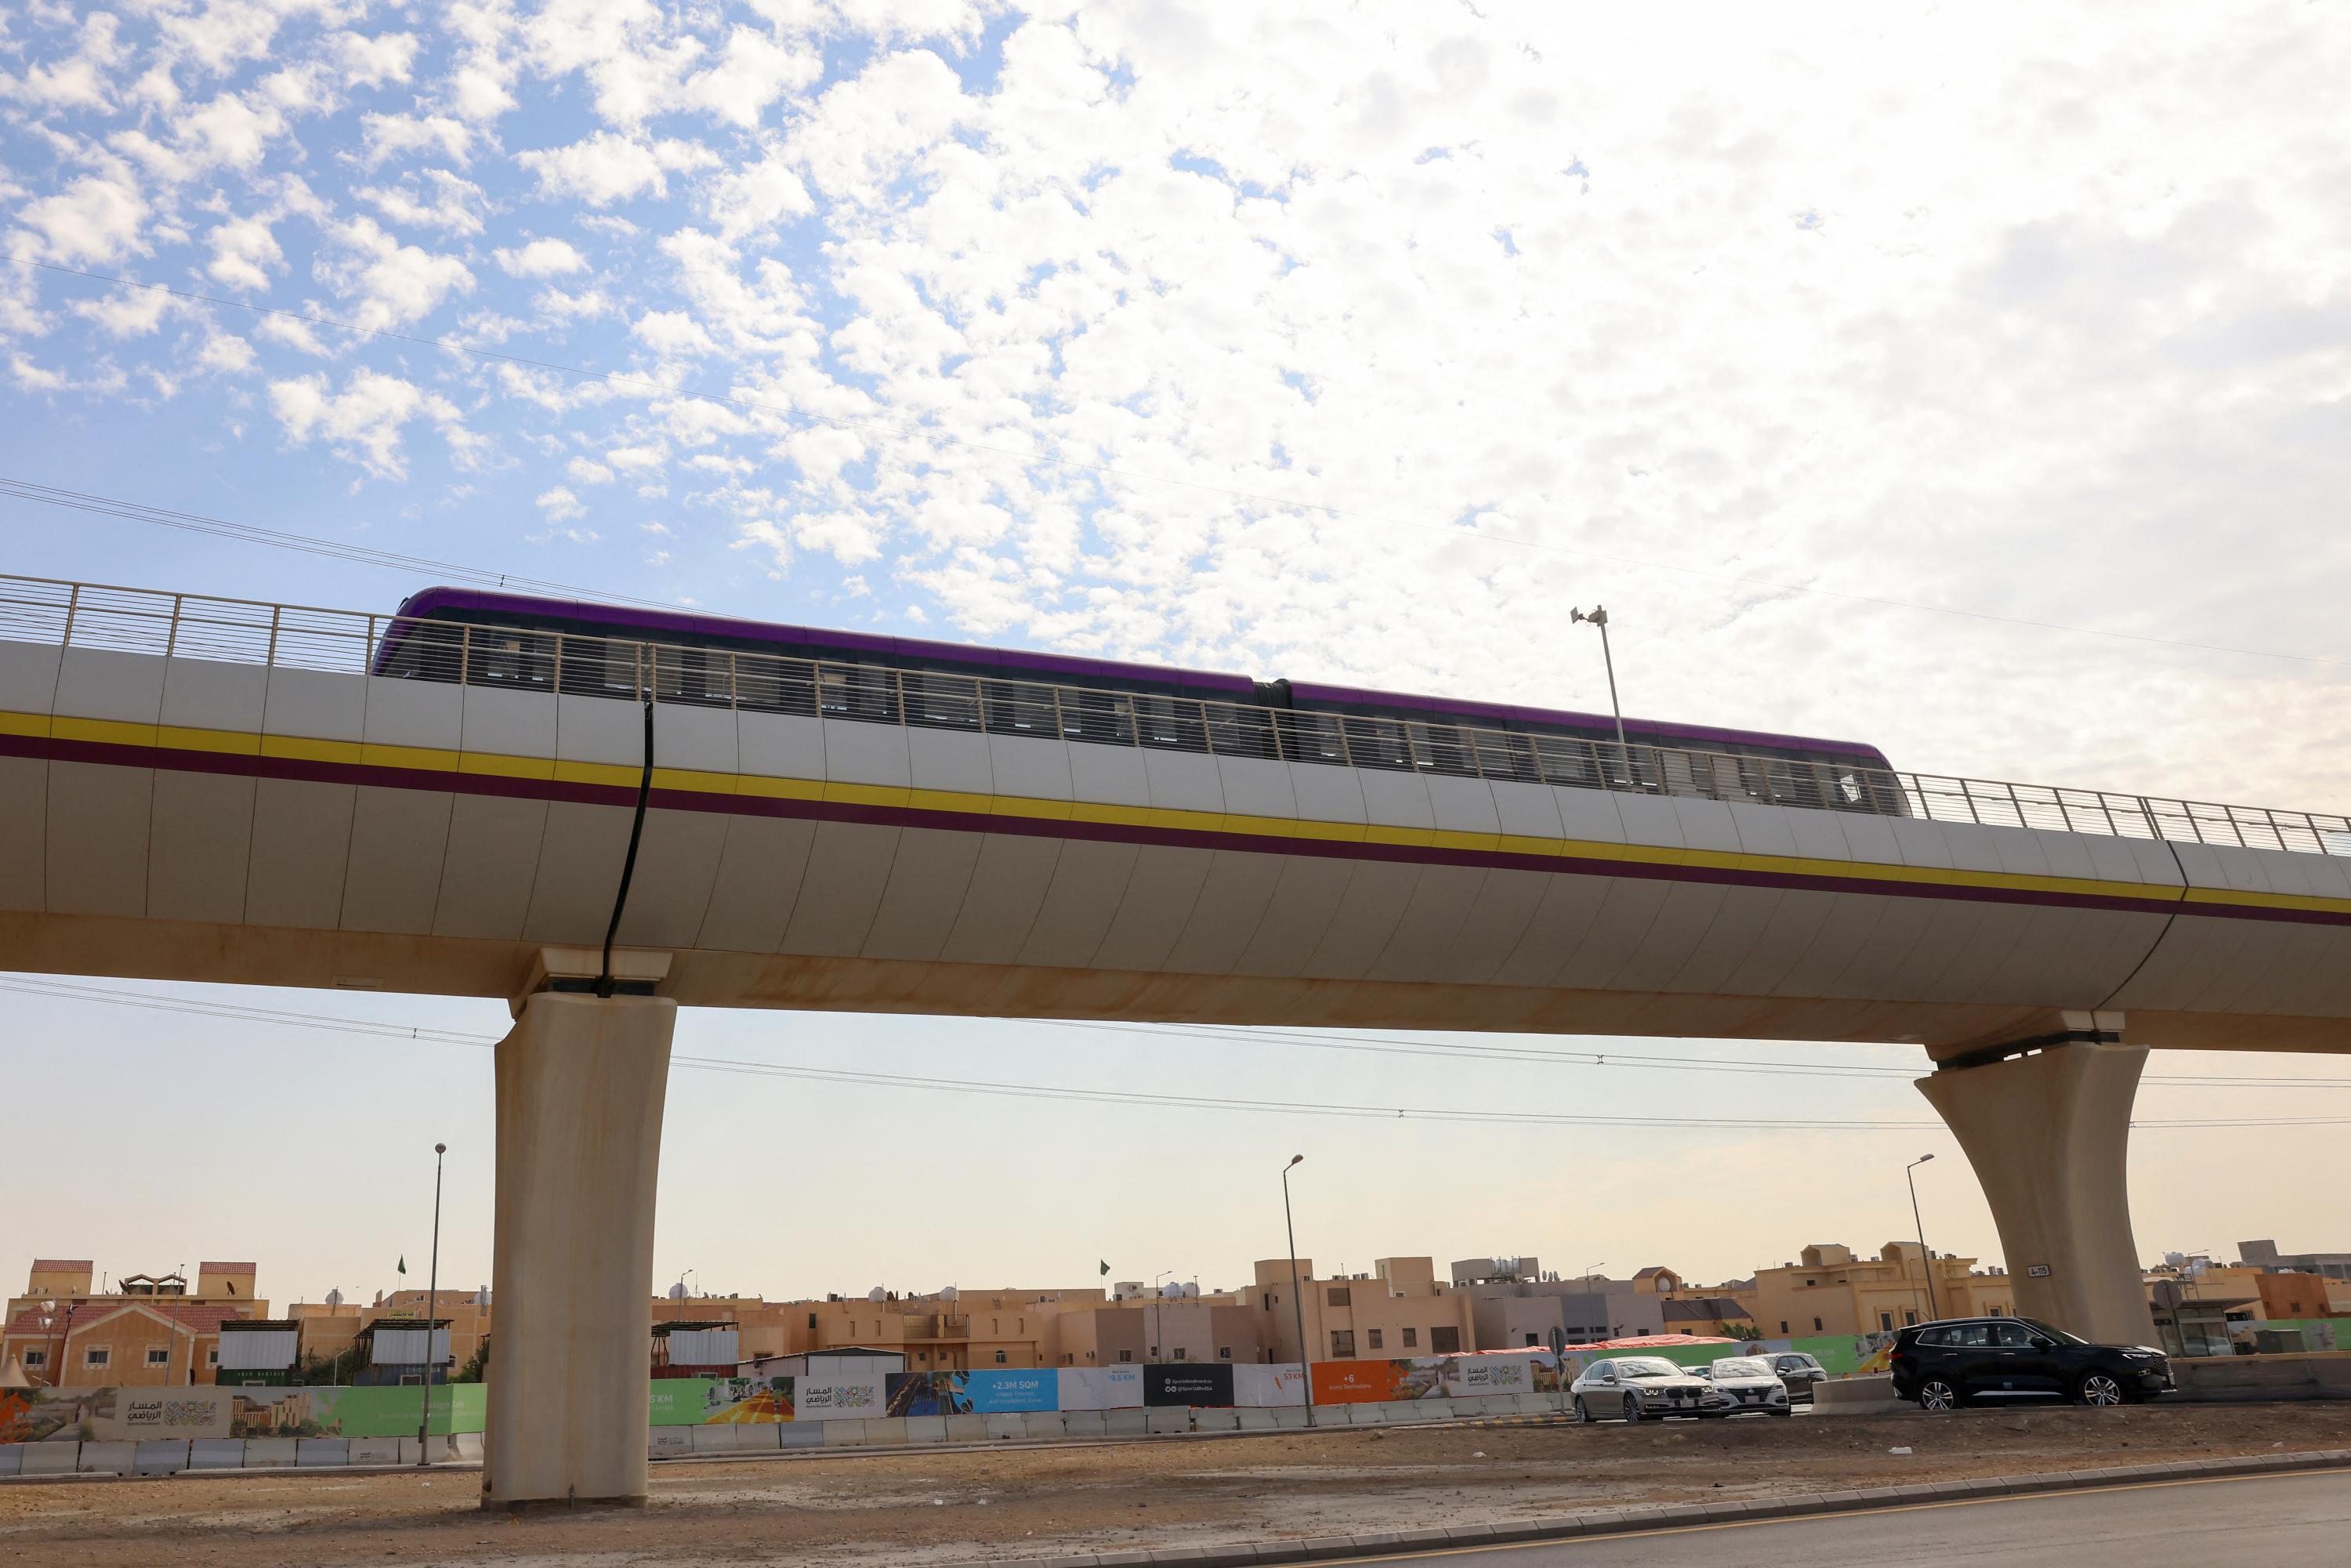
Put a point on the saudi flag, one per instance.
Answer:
(1105, 1267)
(403, 1263)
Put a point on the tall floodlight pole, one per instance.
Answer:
(1599, 617)
(432, 1305)
(1926, 1259)
(1297, 1301)
(1158, 1316)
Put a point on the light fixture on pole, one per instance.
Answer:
(1599, 617)
(1926, 1259)
(1298, 1302)
(432, 1305)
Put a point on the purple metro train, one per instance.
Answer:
(608, 649)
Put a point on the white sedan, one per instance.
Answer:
(1751, 1384)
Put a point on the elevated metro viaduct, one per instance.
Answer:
(180, 799)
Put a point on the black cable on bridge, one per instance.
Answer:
(636, 836)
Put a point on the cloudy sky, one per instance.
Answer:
(1975, 380)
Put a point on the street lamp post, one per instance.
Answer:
(1926, 1259)
(1297, 1301)
(1599, 617)
(431, 1306)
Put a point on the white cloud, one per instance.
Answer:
(571, 307)
(607, 168)
(244, 252)
(375, 61)
(395, 284)
(364, 422)
(228, 354)
(635, 459)
(389, 136)
(445, 201)
(561, 505)
(671, 332)
(293, 334)
(541, 258)
(97, 217)
(125, 312)
(588, 471)
(81, 79)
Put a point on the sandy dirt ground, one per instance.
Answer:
(946, 1506)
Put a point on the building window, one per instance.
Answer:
(1343, 1343)
(1411, 1338)
(1376, 1342)
(1531, 1339)
(1224, 1353)
(1268, 1301)
(1126, 1355)
(159, 1355)
(1180, 1352)
(212, 1358)
(1340, 1296)
(1885, 1321)
(1816, 1325)
(1444, 1342)
(37, 1358)
(1784, 1325)
(96, 1357)
(1909, 1318)
(1000, 1358)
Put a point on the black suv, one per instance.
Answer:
(1944, 1365)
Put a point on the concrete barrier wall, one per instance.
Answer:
(1869, 1394)
(164, 1457)
(2231, 1379)
(108, 1459)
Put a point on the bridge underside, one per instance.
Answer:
(92, 945)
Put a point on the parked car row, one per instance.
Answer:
(1942, 1365)
(1650, 1387)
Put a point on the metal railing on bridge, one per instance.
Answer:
(198, 626)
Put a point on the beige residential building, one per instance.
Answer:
(1190, 1329)
(1397, 1310)
(70, 1328)
(1831, 1291)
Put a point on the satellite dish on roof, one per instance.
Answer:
(678, 1291)
(1191, 1290)
(877, 1294)
(334, 1298)
(948, 1292)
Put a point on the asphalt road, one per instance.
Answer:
(2253, 1521)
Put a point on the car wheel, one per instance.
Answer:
(1633, 1410)
(1583, 1412)
(2098, 1388)
(1936, 1395)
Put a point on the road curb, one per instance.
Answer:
(1637, 1518)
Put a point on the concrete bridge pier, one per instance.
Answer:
(2048, 1135)
(580, 1084)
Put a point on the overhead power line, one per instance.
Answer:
(888, 430)
(230, 1011)
(335, 549)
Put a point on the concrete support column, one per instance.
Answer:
(581, 1083)
(2047, 1134)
